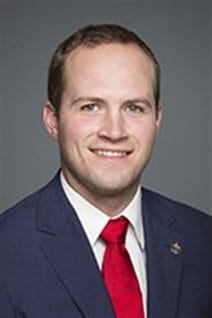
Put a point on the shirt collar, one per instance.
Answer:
(94, 220)
(133, 213)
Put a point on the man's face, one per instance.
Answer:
(107, 122)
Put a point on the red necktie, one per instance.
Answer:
(118, 272)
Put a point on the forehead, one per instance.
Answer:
(109, 66)
(110, 54)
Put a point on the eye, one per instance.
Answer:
(134, 109)
(91, 108)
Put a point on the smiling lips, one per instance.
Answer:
(111, 153)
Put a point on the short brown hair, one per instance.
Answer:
(91, 36)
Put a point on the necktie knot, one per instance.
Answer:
(115, 231)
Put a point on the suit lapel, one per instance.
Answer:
(65, 246)
(164, 249)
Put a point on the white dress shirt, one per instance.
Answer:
(94, 220)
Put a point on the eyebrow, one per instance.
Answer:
(139, 100)
(88, 99)
(101, 100)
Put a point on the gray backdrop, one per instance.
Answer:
(179, 33)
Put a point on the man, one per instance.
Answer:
(92, 243)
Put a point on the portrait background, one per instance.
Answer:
(179, 34)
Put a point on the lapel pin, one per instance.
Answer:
(176, 248)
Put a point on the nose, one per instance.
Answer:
(113, 127)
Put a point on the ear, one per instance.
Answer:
(50, 120)
(159, 115)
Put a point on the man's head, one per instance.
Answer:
(103, 111)
(92, 36)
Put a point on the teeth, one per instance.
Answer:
(114, 154)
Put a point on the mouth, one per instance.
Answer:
(109, 153)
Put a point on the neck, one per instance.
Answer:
(111, 203)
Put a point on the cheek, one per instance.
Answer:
(75, 130)
(144, 132)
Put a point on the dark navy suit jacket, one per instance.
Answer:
(48, 270)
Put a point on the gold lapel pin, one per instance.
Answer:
(176, 248)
